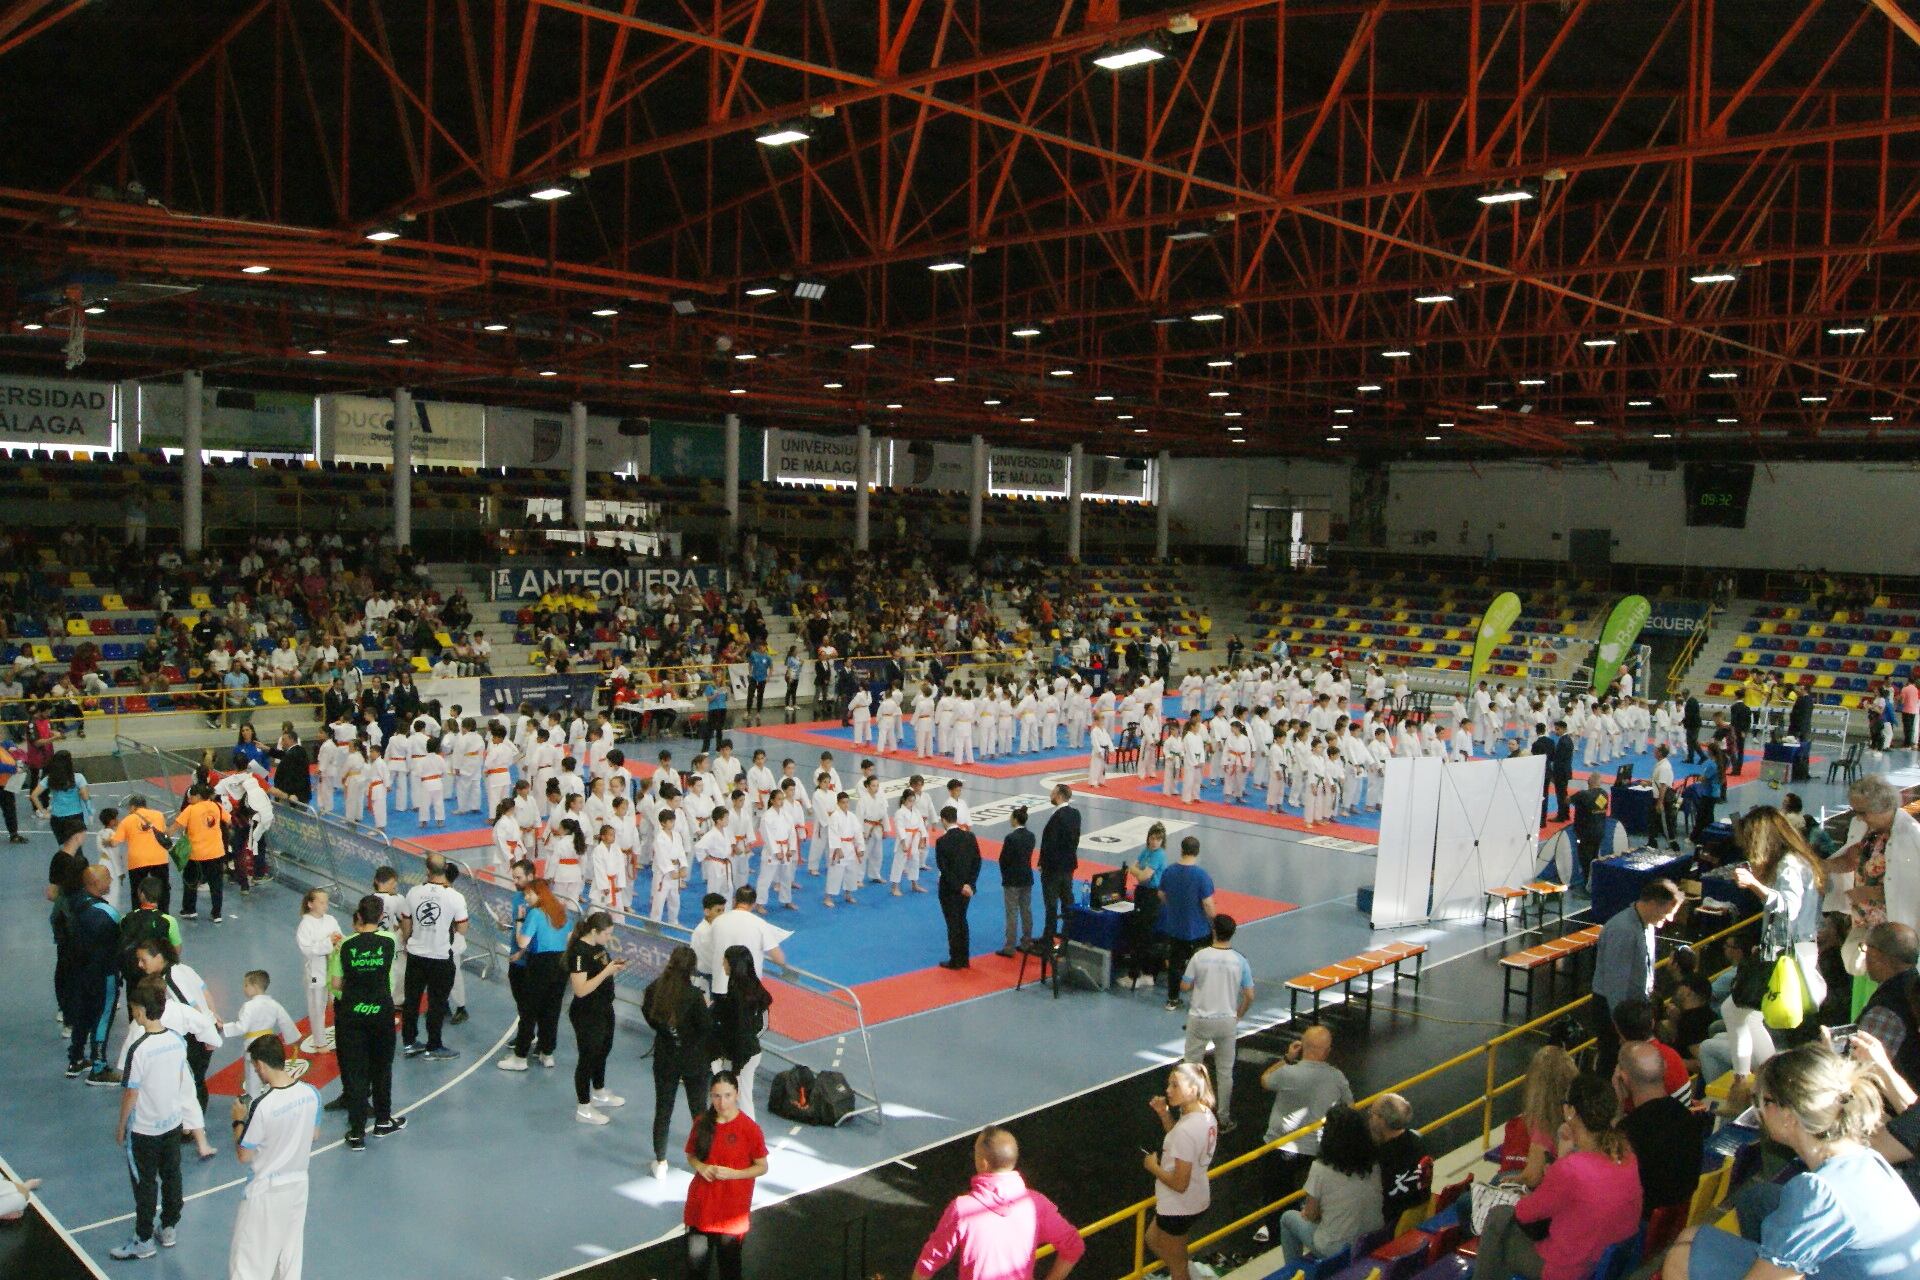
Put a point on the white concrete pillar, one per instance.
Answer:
(976, 494)
(1076, 458)
(863, 481)
(192, 510)
(577, 487)
(1163, 486)
(402, 467)
(730, 469)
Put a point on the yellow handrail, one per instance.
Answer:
(1690, 650)
(1137, 1212)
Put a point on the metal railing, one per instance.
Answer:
(342, 857)
(1485, 1056)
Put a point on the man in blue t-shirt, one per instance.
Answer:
(759, 667)
(1186, 913)
(714, 727)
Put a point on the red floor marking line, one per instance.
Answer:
(805, 733)
(228, 1080)
(1130, 787)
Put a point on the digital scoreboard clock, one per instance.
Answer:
(1717, 493)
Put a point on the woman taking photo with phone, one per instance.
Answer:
(591, 970)
(726, 1152)
(1181, 1192)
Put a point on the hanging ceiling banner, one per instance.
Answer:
(1109, 477)
(360, 429)
(1024, 471)
(57, 412)
(817, 459)
(933, 465)
(537, 438)
(230, 419)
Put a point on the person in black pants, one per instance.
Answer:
(90, 972)
(537, 969)
(9, 802)
(432, 915)
(591, 970)
(363, 1024)
(1560, 769)
(682, 1029)
(1059, 858)
(1690, 721)
(957, 854)
(1742, 726)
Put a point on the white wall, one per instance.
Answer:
(1847, 517)
(1209, 495)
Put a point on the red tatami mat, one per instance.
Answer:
(1130, 787)
(806, 734)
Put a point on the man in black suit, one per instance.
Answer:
(1059, 859)
(292, 779)
(1690, 721)
(1742, 726)
(1543, 746)
(957, 854)
(1560, 768)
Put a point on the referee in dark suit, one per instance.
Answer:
(1560, 768)
(957, 854)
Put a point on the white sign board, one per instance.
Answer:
(360, 429)
(1026, 471)
(537, 438)
(801, 455)
(932, 465)
(1108, 477)
(56, 412)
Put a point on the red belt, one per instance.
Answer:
(429, 777)
(491, 772)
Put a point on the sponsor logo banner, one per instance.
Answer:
(1616, 638)
(529, 580)
(243, 421)
(1026, 471)
(1499, 616)
(56, 411)
(360, 429)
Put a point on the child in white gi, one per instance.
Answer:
(1238, 763)
(1099, 743)
(606, 872)
(823, 807)
(909, 843)
(860, 709)
(669, 870)
(714, 851)
(430, 786)
(260, 1015)
(872, 812)
(317, 935)
(779, 849)
(843, 850)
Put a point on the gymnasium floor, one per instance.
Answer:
(954, 1051)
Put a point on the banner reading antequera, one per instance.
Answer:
(360, 429)
(1500, 615)
(1616, 639)
(58, 412)
(243, 421)
(531, 579)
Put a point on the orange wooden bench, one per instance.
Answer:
(1317, 982)
(1542, 956)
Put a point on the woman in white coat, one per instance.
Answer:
(1876, 875)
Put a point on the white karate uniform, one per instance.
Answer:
(331, 759)
(887, 737)
(824, 803)
(843, 852)
(669, 872)
(779, 854)
(872, 811)
(430, 788)
(1099, 743)
(1193, 763)
(607, 875)
(909, 845)
(861, 709)
(714, 852)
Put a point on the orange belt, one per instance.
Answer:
(491, 772)
(429, 777)
(569, 862)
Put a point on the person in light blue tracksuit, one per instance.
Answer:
(91, 970)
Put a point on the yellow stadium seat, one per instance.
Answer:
(190, 619)
(1823, 682)
(1816, 630)
(273, 696)
(113, 604)
(78, 627)
(420, 665)
(199, 599)
(1856, 651)
(445, 639)
(1799, 662)
(42, 653)
(80, 578)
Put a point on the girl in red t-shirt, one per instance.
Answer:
(727, 1152)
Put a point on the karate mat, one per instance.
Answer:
(829, 735)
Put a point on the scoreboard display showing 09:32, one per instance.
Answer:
(1717, 494)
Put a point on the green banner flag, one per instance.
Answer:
(1617, 637)
(1501, 612)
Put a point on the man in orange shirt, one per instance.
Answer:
(203, 819)
(140, 831)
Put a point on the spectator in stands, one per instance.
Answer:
(1882, 855)
(1892, 1013)
(1401, 1151)
(1305, 1087)
(1589, 1199)
(993, 1231)
(1550, 1074)
(1623, 960)
(1790, 880)
(1666, 1136)
(1849, 1214)
(1343, 1200)
(1181, 1190)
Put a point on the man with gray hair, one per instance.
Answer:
(1666, 1136)
(1877, 870)
(1890, 954)
(1400, 1150)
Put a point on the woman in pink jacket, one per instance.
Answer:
(992, 1232)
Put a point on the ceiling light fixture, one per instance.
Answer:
(1599, 342)
(947, 264)
(989, 402)
(784, 135)
(1059, 373)
(1368, 386)
(745, 355)
(1715, 277)
(810, 290)
(832, 386)
(1726, 422)
(1486, 408)
(1533, 382)
(1219, 364)
(1583, 422)
(1139, 431)
(398, 342)
(1120, 59)
(95, 310)
(1433, 437)
(1026, 331)
(1182, 236)
(604, 312)
(1232, 413)
(1443, 424)
(945, 377)
(1880, 417)
(896, 405)
(312, 351)
(738, 391)
(1847, 330)
(1123, 417)
(497, 326)
(860, 346)
(1506, 195)
(1207, 317)
(1723, 375)
(1431, 298)
(255, 270)
(638, 364)
(1639, 404)
(1395, 354)
(552, 191)
(549, 373)
(33, 326)
(1343, 410)
(380, 235)
(1663, 435)
(1026, 419)
(762, 291)
(1813, 399)
(1218, 394)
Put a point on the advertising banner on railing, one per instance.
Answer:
(1501, 612)
(1616, 639)
(56, 412)
(804, 456)
(1677, 617)
(531, 579)
(243, 421)
(505, 693)
(360, 429)
(1026, 471)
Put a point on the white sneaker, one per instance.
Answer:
(310, 1045)
(587, 1115)
(1261, 1236)
(546, 1059)
(512, 1063)
(660, 1168)
(601, 1098)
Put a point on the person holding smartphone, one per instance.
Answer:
(591, 970)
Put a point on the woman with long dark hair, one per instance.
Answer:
(61, 796)
(591, 970)
(739, 1016)
(544, 949)
(682, 1028)
(1343, 1191)
(726, 1151)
